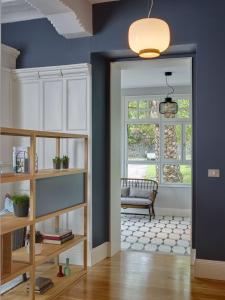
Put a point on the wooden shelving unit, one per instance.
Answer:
(22, 262)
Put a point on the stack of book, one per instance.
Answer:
(57, 237)
(42, 284)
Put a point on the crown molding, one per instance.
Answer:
(9, 56)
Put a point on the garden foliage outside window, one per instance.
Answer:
(157, 147)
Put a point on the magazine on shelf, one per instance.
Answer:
(57, 233)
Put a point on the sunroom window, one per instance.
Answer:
(156, 147)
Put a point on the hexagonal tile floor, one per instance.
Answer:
(163, 234)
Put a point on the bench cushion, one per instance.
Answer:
(140, 193)
(125, 191)
(135, 201)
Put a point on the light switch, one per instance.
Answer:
(213, 173)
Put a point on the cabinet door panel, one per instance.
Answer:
(77, 104)
(26, 105)
(52, 116)
(53, 105)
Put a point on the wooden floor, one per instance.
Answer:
(144, 276)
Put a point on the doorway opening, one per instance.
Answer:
(154, 149)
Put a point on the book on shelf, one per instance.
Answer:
(44, 289)
(42, 284)
(57, 233)
(58, 242)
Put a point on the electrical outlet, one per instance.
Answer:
(213, 173)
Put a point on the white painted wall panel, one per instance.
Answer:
(26, 104)
(53, 105)
(77, 104)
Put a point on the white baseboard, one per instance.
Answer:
(176, 212)
(99, 253)
(193, 257)
(210, 269)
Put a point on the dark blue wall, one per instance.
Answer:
(192, 22)
(100, 149)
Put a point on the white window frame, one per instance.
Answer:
(162, 122)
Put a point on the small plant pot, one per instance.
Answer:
(21, 209)
(65, 164)
(57, 165)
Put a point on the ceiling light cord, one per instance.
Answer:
(169, 86)
(150, 9)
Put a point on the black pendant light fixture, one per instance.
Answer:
(168, 107)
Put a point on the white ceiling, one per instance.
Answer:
(21, 10)
(151, 73)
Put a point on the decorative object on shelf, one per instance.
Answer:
(67, 270)
(168, 107)
(65, 161)
(57, 237)
(21, 159)
(21, 205)
(149, 37)
(57, 162)
(8, 205)
(60, 273)
(38, 242)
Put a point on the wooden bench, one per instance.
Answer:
(139, 193)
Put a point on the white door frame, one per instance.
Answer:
(115, 156)
(116, 159)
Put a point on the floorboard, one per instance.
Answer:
(131, 275)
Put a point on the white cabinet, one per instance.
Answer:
(76, 102)
(57, 99)
(54, 99)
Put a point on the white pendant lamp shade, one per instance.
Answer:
(149, 37)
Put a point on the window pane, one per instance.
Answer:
(183, 109)
(143, 142)
(172, 142)
(132, 114)
(143, 115)
(143, 171)
(177, 174)
(154, 109)
(143, 104)
(188, 142)
(132, 104)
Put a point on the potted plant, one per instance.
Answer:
(21, 205)
(57, 162)
(65, 161)
(38, 242)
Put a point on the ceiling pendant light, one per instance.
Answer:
(168, 107)
(149, 37)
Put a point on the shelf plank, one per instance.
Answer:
(54, 173)
(9, 223)
(18, 268)
(14, 177)
(15, 132)
(48, 251)
(41, 134)
(60, 212)
(60, 284)
(45, 173)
